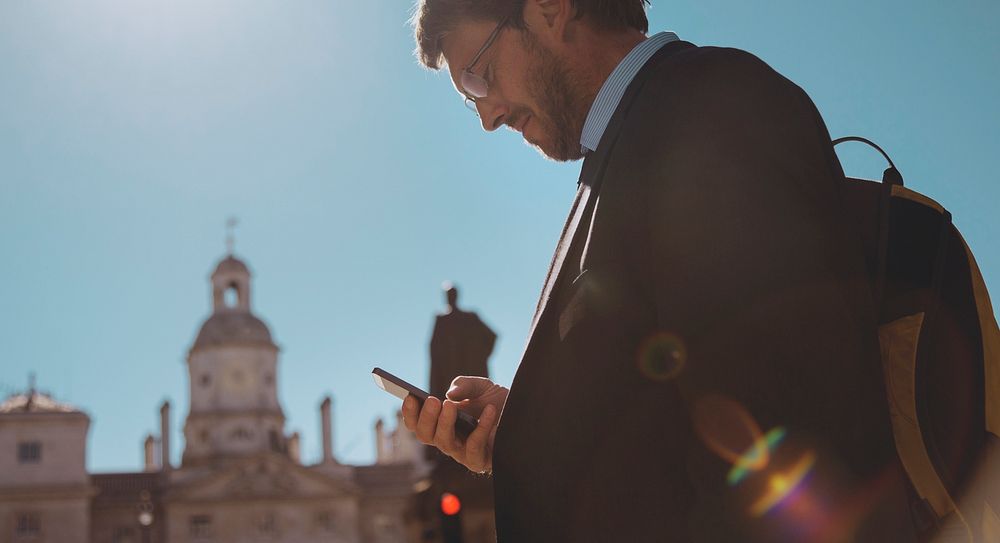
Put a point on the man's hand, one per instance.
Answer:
(434, 422)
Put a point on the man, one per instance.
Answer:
(703, 363)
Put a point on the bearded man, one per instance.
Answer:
(703, 364)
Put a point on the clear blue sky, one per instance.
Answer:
(129, 131)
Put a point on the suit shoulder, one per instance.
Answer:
(705, 97)
(697, 69)
(713, 85)
(710, 54)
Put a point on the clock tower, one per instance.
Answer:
(232, 365)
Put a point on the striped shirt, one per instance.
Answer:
(614, 87)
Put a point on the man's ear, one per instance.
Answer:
(548, 19)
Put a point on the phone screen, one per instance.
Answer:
(396, 386)
(399, 388)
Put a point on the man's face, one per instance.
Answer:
(531, 90)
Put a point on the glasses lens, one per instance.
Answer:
(471, 105)
(474, 85)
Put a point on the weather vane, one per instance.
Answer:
(231, 223)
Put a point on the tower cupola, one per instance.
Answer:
(232, 322)
(231, 285)
(232, 367)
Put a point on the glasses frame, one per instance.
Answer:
(475, 79)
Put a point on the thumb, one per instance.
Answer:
(467, 387)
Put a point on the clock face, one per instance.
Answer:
(240, 380)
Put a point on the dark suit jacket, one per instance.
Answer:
(706, 262)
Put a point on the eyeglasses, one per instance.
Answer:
(474, 86)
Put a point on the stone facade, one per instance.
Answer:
(239, 478)
(45, 490)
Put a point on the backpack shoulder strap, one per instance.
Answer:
(900, 341)
(991, 343)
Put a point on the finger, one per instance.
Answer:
(411, 411)
(476, 450)
(444, 438)
(427, 422)
(464, 387)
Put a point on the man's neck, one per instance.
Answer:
(604, 52)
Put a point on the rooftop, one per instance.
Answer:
(233, 327)
(34, 401)
(231, 264)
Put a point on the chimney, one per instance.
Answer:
(165, 436)
(404, 449)
(149, 460)
(327, 423)
(380, 452)
(293, 447)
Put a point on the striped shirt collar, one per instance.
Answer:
(614, 87)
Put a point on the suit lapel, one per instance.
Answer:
(591, 176)
(570, 236)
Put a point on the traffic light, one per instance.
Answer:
(451, 518)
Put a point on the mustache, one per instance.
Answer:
(515, 118)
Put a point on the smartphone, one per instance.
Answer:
(399, 388)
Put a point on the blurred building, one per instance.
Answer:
(240, 477)
(44, 485)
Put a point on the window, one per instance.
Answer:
(201, 526)
(123, 534)
(231, 295)
(325, 522)
(267, 525)
(242, 433)
(29, 452)
(386, 528)
(29, 525)
(274, 438)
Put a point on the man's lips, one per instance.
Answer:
(519, 124)
(523, 123)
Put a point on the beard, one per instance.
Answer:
(562, 102)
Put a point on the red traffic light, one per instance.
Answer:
(450, 504)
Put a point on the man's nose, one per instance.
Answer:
(492, 115)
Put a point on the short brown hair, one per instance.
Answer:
(434, 19)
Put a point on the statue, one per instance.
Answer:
(460, 345)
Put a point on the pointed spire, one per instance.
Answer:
(231, 223)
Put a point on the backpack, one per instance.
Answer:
(940, 349)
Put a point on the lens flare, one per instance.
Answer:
(729, 431)
(783, 484)
(662, 356)
(755, 458)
